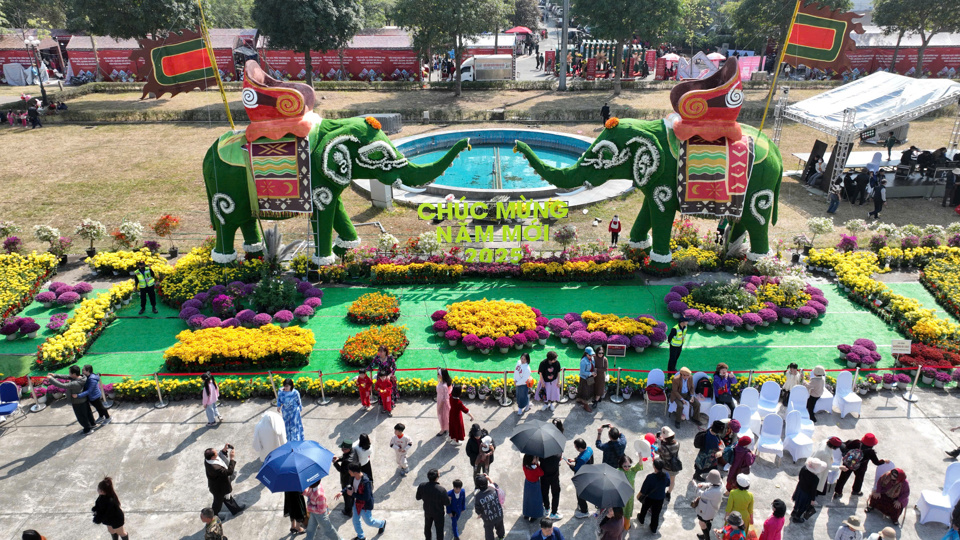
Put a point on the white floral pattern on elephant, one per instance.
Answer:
(322, 196)
(646, 161)
(346, 244)
(761, 200)
(661, 194)
(222, 204)
(389, 157)
(342, 173)
(617, 156)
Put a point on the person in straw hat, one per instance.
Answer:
(888, 533)
(850, 529)
(806, 490)
(683, 393)
(668, 449)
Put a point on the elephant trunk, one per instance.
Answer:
(418, 175)
(564, 178)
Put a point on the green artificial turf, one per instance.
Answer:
(918, 291)
(134, 345)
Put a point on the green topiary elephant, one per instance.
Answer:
(339, 151)
(646, 152)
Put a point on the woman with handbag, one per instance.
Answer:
(107, 511)
(652, 494)
(707, 503)
(669, 451)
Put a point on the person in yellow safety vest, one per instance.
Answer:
(145, 284)
(676, 338)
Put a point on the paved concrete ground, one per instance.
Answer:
(49, 471)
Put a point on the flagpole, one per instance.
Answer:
(776, 71)
(213, 63)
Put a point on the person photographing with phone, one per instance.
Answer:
(219, 474)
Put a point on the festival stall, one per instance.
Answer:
(387, 55)
(875, 50)
(15, 61)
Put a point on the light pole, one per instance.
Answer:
(563, 45)
(33, 46)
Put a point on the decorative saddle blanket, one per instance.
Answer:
(712, 176)
(278, 172)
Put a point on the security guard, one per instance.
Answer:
(145, 284)
(677, 335)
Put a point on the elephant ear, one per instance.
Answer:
(338, 159)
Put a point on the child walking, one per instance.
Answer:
(400, 444)
(365, 387)
(384, 388)
(458, 504)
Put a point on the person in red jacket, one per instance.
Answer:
(614, 229)
(385, 389)
(365, 387)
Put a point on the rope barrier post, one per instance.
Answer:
(563, 383)
(749, 379)
(617, 398)
(323, 395)
(160, 403)
(107, 403)
(37, 406)
(276, 398)
(504, 400)
(909, 395)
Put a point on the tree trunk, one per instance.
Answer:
(896, 49)
(343, 74)
(308, 63)
(457, 59)
(96, 59)
(924, 41)
(617, 66)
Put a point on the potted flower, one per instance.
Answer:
(927, 374)
(519, 341)
(453, 337)
(557, 326)
(677, 308)
(471, 341)
(165, 226)
(47, 298)
(565, 336)
(40, 392)
(874, 381)
(711, 320)
(542, 335)
(484, 390)
(581, 338)
(12, 244)
(889, 381)
(91, 230)
(692, 316)
(83, 289)
(504, 343)
(572, 391)
(68, 299)
(751, 320)
(862, 387)
(29, 328)
(626, 391)
(283, 318)
(261, 319)
(806, 314)
(56, 322)
(941, 378)
(903, 380)
(471, 391)
(440, 328)
(532, 338)
(59, 247)
(487, 344)
(731, 321)
(639, 342)
(303, 313)
(768, 316)
(152, 245)
(617, 339)
(787, 315)
(853, 359)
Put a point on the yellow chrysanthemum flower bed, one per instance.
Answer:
(428, 272)
(222, 349)
(579, 270)
(374, 308)
(196, 272)
(126, 261)
(88, 321)
(706, 259)
(611, 324)
(360, 348)
(20, 279)
(490, 318)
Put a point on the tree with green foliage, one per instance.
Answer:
(376, 13)
(309, 25)
(696, 17)
(417, 17)
(132, 19)
(754, 21)
(618, 21)
(42, 15)
(925, 18)
(228, 13)
(526, 13)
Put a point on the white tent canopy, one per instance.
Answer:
(882, 100)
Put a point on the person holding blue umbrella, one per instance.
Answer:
(291, 469)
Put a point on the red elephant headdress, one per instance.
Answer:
(276, 108)
(709, 107)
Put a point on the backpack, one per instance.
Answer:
(705, 387)
(852, 459)
(700, 440)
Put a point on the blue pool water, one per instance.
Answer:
(474, 169)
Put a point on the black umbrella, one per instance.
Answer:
(538, 438)
(603, 486)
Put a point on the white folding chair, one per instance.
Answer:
(881, 470)
(770, 441)
(743, 415)
(751, 398)
(769, 402)
(952, 475)
(655, 378)
(846, 401)
(795, 441)
(938, 505)
(717, 412)
(798, 402)
(705, 402)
